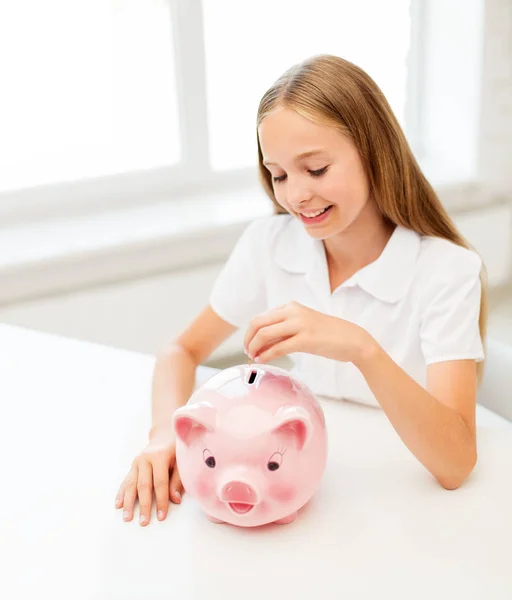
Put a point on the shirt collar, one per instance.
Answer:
(387, 278)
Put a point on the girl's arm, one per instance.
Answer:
(172, 386)
(175, 367)
(438, 423)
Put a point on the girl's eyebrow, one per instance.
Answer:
(300, 156)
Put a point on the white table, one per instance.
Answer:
(73, 415)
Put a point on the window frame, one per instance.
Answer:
(193, 174)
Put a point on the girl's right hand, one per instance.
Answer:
(151, 470)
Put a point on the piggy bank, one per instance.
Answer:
(251, 445)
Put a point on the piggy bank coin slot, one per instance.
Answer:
(252, 377)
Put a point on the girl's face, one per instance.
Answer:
(316, 171)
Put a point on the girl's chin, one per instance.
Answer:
(323, 229)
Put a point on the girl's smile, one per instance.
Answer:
(315, 217)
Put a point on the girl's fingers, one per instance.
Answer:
(175, 486)
(130, 494)
(268, 318)
(145, 491)
(120, 496)
(270, 335)
(161, 484)
(288, 346)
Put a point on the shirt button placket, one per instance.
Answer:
(337, 302)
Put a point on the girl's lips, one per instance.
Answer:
(318, 219)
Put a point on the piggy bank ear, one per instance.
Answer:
(293, 422)
(191, 422)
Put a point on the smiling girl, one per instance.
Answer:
(360, 277)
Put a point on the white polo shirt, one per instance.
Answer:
(420, 299)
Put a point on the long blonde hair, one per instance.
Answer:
(332, 91)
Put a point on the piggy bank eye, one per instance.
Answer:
(209, 459)
(275, 461)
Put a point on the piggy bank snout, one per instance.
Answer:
(240, 492)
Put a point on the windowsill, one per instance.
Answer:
(51, 256)
(48, 257)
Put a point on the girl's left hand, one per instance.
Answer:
(296, 328)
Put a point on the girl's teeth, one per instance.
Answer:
(315, 214)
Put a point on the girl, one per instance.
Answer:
(360, 277)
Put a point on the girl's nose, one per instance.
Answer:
(298, 196)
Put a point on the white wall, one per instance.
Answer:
(495, 158)
(139, 315)
(451, 81)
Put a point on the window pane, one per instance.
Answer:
(249, 44)
(88, 89)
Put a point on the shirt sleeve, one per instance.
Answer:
(449, 325)
(239, 292)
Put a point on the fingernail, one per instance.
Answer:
(177, 495)
(160, 515)
(142, 519)
(126, 515)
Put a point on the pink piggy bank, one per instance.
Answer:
(251, 445)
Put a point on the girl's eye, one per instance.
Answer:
(318, 172)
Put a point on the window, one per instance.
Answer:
(249, 44)
(89, 90)
(108, 99)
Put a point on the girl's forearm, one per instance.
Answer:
(436, 434)
(172, 385)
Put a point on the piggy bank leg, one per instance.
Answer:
(288, 519)
(214, 519)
